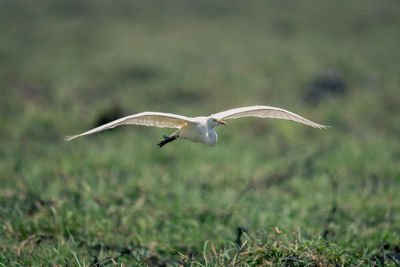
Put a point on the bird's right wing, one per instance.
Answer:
(265, 112)
(157, 119)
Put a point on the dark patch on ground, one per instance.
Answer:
(109, 115)
(389, 254)
(327, 84)
(240, 231)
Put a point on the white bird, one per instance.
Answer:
(198, 129)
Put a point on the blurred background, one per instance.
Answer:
(68, 66)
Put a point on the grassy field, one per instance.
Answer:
(270, 193)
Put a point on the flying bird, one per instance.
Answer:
(198, 129)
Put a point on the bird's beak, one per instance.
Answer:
(222, 122)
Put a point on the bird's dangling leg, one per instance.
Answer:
(166, 140)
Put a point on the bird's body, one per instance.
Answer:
(199, 129)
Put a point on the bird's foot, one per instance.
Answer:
(166, 140)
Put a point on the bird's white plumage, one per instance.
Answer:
(264, 112)
(148, 118)
(199, 129)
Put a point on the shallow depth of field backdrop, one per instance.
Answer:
(270, 192)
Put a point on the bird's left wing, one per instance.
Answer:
(264, 112)
(148, 118)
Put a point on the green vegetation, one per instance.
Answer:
(301, 196)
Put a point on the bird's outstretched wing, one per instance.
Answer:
(264, 112)
(157, 119)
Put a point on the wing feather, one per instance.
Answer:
(157, 119)
(265, 112)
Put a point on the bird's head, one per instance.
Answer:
(215, 122)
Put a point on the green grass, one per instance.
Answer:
(305, 197)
